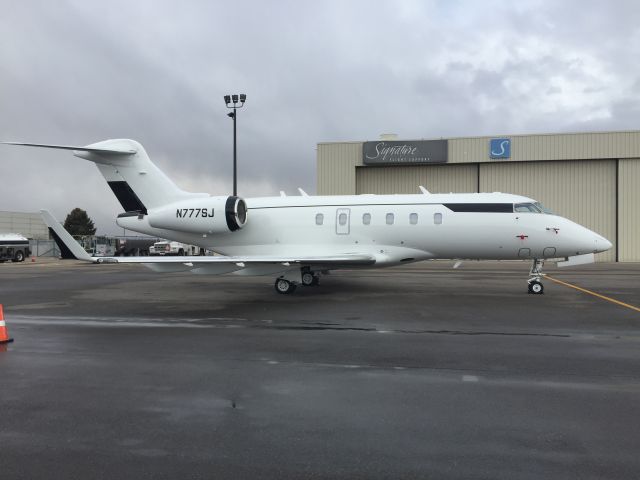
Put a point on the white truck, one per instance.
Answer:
(14, 247)
(166, 247)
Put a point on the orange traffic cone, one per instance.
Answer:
(4, 336)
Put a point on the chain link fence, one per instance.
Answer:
(44, 248)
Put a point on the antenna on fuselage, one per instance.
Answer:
(282, 194)
(424, 190)
(302, 192)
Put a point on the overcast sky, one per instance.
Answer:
(81, 71)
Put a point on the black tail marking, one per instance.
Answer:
(127, 197)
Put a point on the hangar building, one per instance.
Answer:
(590, 178)
(27, 224)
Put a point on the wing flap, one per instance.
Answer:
(285, 261)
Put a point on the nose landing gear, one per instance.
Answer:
(535, 277)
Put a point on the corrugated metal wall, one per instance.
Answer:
(435, 178)
(583, 191)
(336, 172)
(28, 224)
(572, 146)
(629, 210)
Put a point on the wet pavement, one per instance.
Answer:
(415, 372)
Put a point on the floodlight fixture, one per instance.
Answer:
(234, 102)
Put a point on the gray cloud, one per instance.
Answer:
(82, 71)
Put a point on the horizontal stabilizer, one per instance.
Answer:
(103, 151)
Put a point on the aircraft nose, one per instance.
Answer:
(602, 244)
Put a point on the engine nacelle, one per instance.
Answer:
(201, 215)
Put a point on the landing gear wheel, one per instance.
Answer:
(536, 287)
(535, 275)
(309, 279)
(284, 286)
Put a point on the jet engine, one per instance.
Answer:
(201, 215)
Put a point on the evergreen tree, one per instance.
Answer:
(79, 223)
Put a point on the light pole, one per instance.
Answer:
(232, 101)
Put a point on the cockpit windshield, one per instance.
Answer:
(544, 209)
(536, 207)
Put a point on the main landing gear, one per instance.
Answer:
(535, 277)
(310, 279)
(286, 284)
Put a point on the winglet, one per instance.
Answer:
(68, 246)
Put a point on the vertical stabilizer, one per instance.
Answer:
(135, 180)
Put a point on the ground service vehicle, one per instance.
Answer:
(134, 246)
(168, 248)
(14, 247)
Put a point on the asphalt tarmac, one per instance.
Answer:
(415, 372)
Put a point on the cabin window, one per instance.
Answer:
(342, 219)
(390, 218)
(437, 218)
(366, 219)
(413, 218)
(319, 219)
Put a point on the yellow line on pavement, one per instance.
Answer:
(609, 299)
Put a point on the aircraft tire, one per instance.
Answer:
(308, 279)
(284, 286)
(536, 288)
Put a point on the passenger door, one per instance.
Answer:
(343, 219)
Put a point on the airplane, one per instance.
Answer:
(299, 238)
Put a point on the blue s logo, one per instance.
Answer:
(500, 148)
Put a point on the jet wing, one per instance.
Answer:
(246, 264)
(241, 265)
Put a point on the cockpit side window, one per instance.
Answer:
(544, 209)
(526, 208)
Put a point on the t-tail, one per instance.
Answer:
(152, 203)
(138, 184)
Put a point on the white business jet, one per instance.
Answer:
(299, 238)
